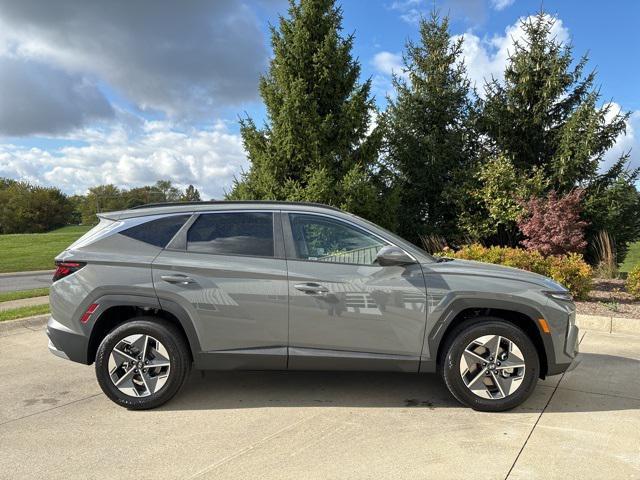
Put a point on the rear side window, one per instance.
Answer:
(157, 232)
(242, 233)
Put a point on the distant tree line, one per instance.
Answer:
(443, 161)
(26, 208)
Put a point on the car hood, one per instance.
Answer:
(469, 267)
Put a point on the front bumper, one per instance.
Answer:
(66, 343)
(571, 350)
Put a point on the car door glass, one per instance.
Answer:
(232, 233)
(324, 239)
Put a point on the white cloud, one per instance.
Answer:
(501, 4)
(388, 63)
(133, 153)
(625, 143)
(487, 57)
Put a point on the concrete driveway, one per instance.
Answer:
(55, 423)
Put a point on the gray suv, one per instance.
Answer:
(152, 291)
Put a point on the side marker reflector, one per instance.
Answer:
(544, 326)
(92, 308)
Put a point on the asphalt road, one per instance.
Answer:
(25, 280)
(56, 423)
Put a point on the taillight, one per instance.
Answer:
(64, 269)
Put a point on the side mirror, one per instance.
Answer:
(390, 255)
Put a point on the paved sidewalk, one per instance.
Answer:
(56, 423)
(24, 302)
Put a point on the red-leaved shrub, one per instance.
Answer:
(552, 224)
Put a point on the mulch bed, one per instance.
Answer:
(609, 298)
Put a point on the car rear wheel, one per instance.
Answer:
(490, 365)
(142, 363)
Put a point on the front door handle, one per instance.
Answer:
(312, 288)
(181, 279)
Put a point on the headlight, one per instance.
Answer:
(560, 295)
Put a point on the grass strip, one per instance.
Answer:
(22, 312)
(20, 294)
(632, 259)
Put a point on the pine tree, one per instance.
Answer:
(546, 112)
(428, 132)
(315, 144)
(546, 117)
(191, 194)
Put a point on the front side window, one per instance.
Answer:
(231, 233)
(324, 239)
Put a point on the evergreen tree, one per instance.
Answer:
(315, 144)
(546, 117)
(429, 144)
(191, 194)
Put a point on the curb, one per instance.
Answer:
(601, 323)
(36, 321)
(26, 274)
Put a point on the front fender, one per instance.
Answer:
(442, 316)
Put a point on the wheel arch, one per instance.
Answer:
(520, 315)
(114, 310)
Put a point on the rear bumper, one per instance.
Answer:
(66, 343)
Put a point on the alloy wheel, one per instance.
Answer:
(492, 367)
(139, 365)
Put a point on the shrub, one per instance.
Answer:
(553, 225)
(572, 272)
(605, 255)
(633, 282)
(569, 270)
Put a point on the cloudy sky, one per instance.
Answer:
(131, 92)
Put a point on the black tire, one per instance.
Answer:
(467, 333)
(177, 349)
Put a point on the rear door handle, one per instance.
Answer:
(311, 288)
(181, 279)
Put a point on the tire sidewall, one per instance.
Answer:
(490, 326)
(166, 334)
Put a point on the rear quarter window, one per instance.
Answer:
(157, 232)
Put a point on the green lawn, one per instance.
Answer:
(20, 294)
(22, 312)
(36, 251)
(632, 259)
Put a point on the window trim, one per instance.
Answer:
(290, 249)
(277, 234)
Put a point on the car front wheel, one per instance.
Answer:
(490, 365)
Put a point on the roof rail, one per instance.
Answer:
(231, 202)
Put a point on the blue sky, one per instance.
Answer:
(128, 93)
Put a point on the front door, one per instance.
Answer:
(230, 276)
(345, 311)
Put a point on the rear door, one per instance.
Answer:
(227, 270)
(345, 311)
